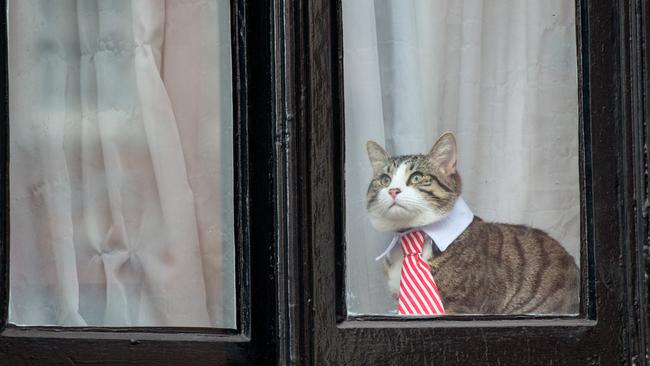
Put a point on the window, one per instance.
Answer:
(121, 181)
(229, 44)
(500, 76)
(607, 135)
(289, 128)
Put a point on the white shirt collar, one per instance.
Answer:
(444, 231)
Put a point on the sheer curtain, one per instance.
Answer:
(500, 74)
(121, 163)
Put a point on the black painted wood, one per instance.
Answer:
(4, 172)
(255, 340)
(289, 45)
(612, 326)
(639, 68)
(290, 209)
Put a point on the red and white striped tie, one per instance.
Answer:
(418, 293)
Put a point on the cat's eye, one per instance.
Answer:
(416, 178)
(384, 180)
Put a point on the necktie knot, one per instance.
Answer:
(412, 243)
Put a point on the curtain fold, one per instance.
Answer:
(108, 224)
(501, 74)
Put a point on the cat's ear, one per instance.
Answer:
(378, 156)
(444, 154)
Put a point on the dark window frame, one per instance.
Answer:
(254, 340)
(611, 329)
(288, 91)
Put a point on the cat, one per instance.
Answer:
(491, 268)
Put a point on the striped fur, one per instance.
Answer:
(491, 268)
(505, 269)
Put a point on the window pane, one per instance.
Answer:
(501, 76)
(121, 166)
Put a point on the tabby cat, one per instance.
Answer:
(490, 268)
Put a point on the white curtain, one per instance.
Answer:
(500, 74)
(121, 163)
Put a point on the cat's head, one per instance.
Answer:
(412, 190)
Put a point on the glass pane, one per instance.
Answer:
(121, 163)
(501, 76)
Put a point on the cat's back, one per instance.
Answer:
(512, 269)
(543, 274)
(523, 246)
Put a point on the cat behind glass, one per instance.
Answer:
(491, 268)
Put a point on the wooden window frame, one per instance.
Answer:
(254, 340)
(612, 327)
(289, 152)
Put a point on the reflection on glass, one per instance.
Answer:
(500, 76)
(121, 172)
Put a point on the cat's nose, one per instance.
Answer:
(394, 192)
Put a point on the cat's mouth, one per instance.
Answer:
(396, 206)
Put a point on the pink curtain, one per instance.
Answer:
(121, 163)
